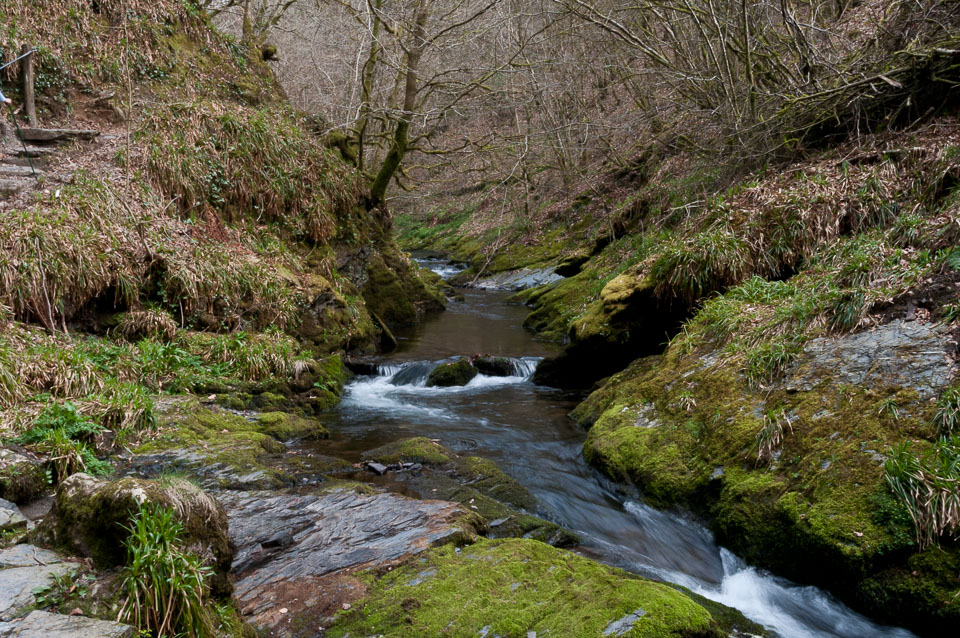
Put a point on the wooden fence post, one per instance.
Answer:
(26, 75)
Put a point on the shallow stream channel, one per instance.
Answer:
(525, 430)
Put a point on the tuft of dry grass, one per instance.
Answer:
(150, 324)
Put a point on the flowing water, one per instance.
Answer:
(524, 428)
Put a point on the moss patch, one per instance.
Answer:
(511, 587)
(416, 450)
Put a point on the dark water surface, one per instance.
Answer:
(524, 428)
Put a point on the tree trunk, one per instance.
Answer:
(26, 76)
(366, 89)
(398, 148)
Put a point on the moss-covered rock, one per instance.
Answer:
(512, 587)
(395, 291)
(286, 427)
(89, 516)
(686, 428)
(22, 476)
(220, 448)
(416, 450)
(452, 374)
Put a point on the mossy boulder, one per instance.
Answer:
(22, 476)
(625, 321)
(684, 427)
(222, 449)
(416, 450)
(514, 587)
(89, 516)
(395, 291)
(456, 373)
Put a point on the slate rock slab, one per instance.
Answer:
(17, 585)
(328, 532)
(41, 624)
(518, 279)
(900, 354)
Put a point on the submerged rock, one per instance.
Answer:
(325, 533)
(452, 374)
(89, 515)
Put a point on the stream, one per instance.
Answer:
(524, 428)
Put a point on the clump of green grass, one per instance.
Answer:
(264, 163)
(767, 361)
(770, 437)
(947, 417)
(163, 588)
(68, 438)
(688, 269)
(929, 487)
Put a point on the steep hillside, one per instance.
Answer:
(204, 216)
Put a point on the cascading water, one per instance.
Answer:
(525, 430)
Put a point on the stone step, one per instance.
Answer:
(49, 135)
(15, 170)
(9, 187)
(32, 151)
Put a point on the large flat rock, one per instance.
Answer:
(27, 556)
(288, 545)
(518, 279)
(898, 354)
(41, 624)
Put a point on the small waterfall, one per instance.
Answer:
(525, 366)
(388, 369)
(413, 374)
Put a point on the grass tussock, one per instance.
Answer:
(162, 587)
(928, 484)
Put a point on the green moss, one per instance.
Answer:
(415, 450)
(514, 587)
(395, 291)
(286, 427)
(452, 374)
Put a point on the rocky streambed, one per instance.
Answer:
(410, 509)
